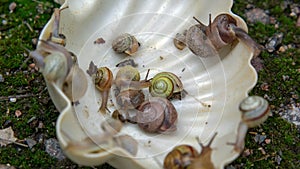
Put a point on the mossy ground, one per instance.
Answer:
(15, 33)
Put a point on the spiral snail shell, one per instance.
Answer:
(157, 115)
(125, 43)
(103, 82)
(255, 111)
(206, 41)
(128, 77)
(166, 84)
(186, 156)
(130, 99)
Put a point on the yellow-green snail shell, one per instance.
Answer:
(125, 43)
(165, 84)
(255, 110)
(103, 82)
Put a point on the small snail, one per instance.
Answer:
(157, 115)
(185, 156)
(57, 37)
(125, 43)
(208, 40)
(179, 40)
(103, 82)
(128, 77)
(255, 110)
(167, 85)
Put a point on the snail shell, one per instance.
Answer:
(125, 43)
(185, 156)
(128, 77)
(179, 40)
(206, 41)
(180, 157)
(103, 82)
(165, 84)
(157, 115)
(255, 110)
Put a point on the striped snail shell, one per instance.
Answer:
(180, 157)
(103, 82)
(125, 43)
(186, 156)
(255, 110)
(157, 115)
(165, 84)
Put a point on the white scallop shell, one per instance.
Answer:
(220, 81)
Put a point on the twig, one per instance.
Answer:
(3, 98)
(20, 144)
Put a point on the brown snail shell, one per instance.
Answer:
(179, 40)
(185, 156)
(157, 115)
(206, 41)
(125, 43)
(103, 82)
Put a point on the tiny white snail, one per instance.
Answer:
(157, 115)
(125, 43)
(186, 156)
(103, 82)
(206, 41)
(167, 85)
(255, 110)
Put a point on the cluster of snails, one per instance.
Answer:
(208, 40)
(155, 114)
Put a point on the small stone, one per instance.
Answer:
(4, 22)
(53, 149)
(260, 138)
(32, 65)
(1, 78)
(18, 113)
(257, 15)
(30, 142)
(274, 42)
(282, 48)
(99, 41)
(12, 7)
(268, 141)
(262, 150)
(278, 159)
(264, 87)
(13, 99)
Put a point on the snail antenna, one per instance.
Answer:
(209, 16)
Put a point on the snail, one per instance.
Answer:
(157, 115)
(125, 43)
(128, 77)
(108, 139)
(186, 156)
(206, 41)
(57, 37)
(58, 66)
(255, 111)
(167, 85)
(179, 40)
(103, 82)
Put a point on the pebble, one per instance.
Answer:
(257, 15)
(1, 78)
(12, 7)
(4, 22)
(30, 142)
(53, 149)
(13, 99)
(260, 138)
(274, 42)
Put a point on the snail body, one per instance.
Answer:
(165, 84)
(157, 115)
(103, 82)
(206, 41)
(125, 43)
(186, 156)
(255, 111)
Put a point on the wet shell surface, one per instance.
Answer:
(212, 80)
